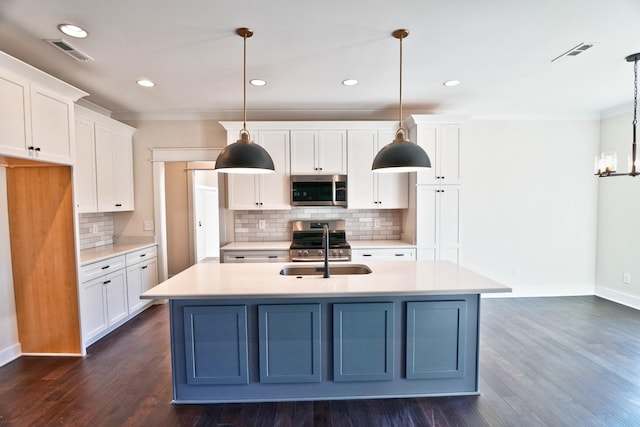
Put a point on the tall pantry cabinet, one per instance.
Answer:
(37, 148)
(438, 189)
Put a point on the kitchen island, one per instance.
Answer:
(243, 333)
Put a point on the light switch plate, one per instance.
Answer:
(147, 225)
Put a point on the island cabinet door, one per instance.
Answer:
(216, 344)
(363, 341)
(289, 343)
(436, 337)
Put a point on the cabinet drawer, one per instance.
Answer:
(399, 254)
(100, 268)
(255, 256)
(141, 254)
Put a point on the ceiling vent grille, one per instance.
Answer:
(69, 50)
(574, 51)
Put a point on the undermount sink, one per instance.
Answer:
(311, 270)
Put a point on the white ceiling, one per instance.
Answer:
(501, 50)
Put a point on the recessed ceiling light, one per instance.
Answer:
(451, 83)
(350, 82)
(257, 82)
(146, 83)
(73, 31)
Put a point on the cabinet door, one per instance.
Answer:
(436, 336)
(304, 152)
(216, 348)
(363, 341)
(427, 138)
(140, 278)
(93, 308)
(392, 188)
(275, 187)
(332, 151)
(115, 285)
(438, 222)
(51, 126)
(243, 191)
(361, 151)
(289, 343)
(123, 172)
(15, 126)
(85, 167)
(449, 159)
(114, 170)
(105, 167)
(442, 144)
(449, 223)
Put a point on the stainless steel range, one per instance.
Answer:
(307, 241)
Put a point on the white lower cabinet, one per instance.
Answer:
(140, 278)
(383, 254)
(438, 225)
(110, 291)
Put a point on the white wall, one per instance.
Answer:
(9, 345)
(618, 219)
(529, 204)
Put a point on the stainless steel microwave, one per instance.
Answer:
(319, 190)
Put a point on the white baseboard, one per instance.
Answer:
(619, 297)
(10, 354)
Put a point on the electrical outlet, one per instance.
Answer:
(376, 223)
(147, 225)
(626, 278)
(94, 229)
(262, 224)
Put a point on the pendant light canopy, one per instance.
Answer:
(401, 155)
(606, 163)
(244, 156)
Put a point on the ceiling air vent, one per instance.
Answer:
(574, 51)
(67, 49)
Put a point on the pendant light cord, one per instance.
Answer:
(400, 116)
(244, 85)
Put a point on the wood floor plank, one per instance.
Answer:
(543, 362)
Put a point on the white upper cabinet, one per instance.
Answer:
(369, 190)
(442, 143)
(318, 152)
(36, 113)
(114, 170)
(15, 120)
(86, 195)
(104, 163)
(263, 191)
(51, 127)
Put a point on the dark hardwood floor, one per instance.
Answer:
(567, 361)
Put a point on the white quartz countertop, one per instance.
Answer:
(220, 281)
(88, 256)
(282, 245)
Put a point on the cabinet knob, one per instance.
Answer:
(144, 266)
(31, 147)
(105, 267)
(106, 282)
(118, 205)
(37, 148)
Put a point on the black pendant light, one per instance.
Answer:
(401, 155)
(606, 164)
(244, 156)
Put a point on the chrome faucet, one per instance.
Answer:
(325, 247)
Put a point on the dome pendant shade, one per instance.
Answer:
(401, 155)
(243, 156)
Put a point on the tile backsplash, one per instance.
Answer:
(360, 223)
(104, 226)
